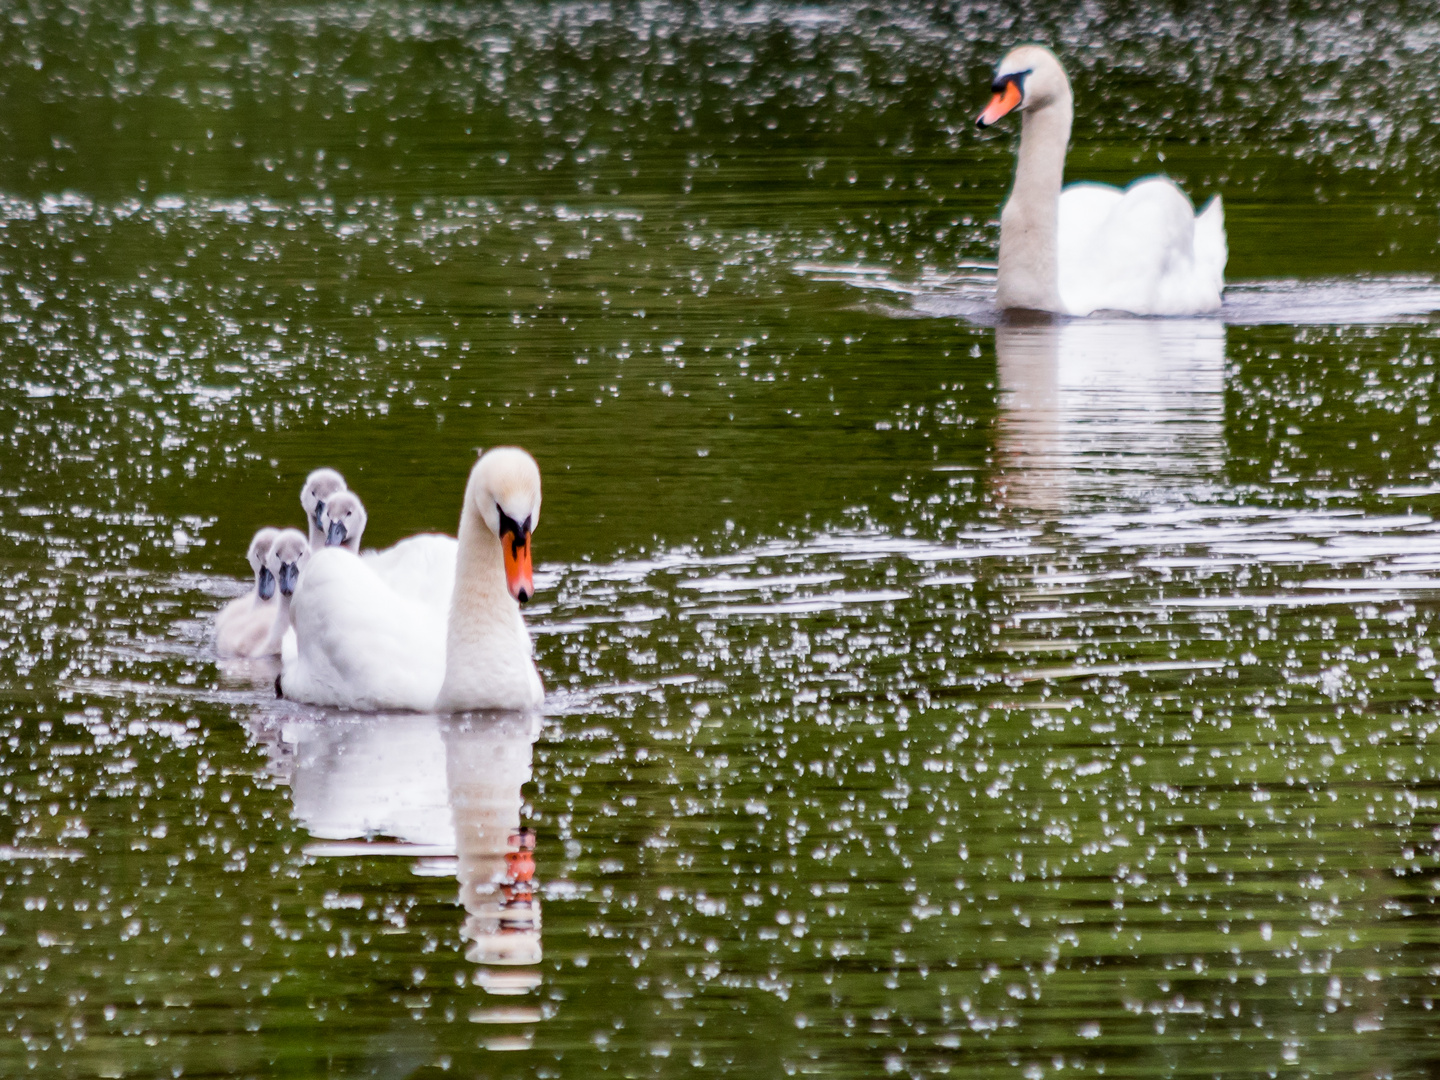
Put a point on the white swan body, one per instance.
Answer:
(1093, 247)
(243, 626)
(421, 567)
(362, 643)
(359, 644)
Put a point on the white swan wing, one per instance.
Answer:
(359, 643)
(1150, 255)
(1082, 213)
(421, 567)
(1212, 250)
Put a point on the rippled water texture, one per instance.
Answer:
(926, 696)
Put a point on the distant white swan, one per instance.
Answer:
(362, 644)
(243, 626)
(1093, 247)
(319, 486)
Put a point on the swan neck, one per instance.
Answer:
(281, 623)
(486, 639)
(1029, 223)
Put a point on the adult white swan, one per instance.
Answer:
(361, 644)
(1093, 247)
(243, 626)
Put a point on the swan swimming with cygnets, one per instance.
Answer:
(362, 643)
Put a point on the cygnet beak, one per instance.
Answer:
(289, 574)
(1007, 96)
(519, 570)
(336, 534)
(319, 509)
(266, 585)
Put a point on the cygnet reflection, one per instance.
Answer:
(444, 791)
(1128, 408)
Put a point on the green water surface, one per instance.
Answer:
(925, 698)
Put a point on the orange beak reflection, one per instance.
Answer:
(1004, 101)
(519, 572)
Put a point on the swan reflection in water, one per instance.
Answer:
(446, 792)
(1108, 407)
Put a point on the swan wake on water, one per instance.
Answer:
(969, 295)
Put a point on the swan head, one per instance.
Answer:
(343, 520)
(259, 548)
(1029, 78)
(318, 487)
(287, 555)
(504, 489)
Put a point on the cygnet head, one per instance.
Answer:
(504, 489)
(318, 487)
(259, 548)
(344, 521)
(1028, 79)
(287, 555)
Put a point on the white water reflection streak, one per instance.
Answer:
(1133, 407)
(446, 791)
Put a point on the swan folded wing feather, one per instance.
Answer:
(1212, 251)
(421, 567)
(1082, 212)
(359, 643)
(1142, 258)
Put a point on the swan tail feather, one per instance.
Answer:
(1212, 251)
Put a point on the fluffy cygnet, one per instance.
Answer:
(288, 554)
(243, 625)
(344, 521)
(319, 486)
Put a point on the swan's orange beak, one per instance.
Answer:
(519, 571)
(1006, 98)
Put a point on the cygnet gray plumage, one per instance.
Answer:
(319, 486)
(243, 625)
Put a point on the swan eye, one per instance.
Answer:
(1016, 77)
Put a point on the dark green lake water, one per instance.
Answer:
(925, 697)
